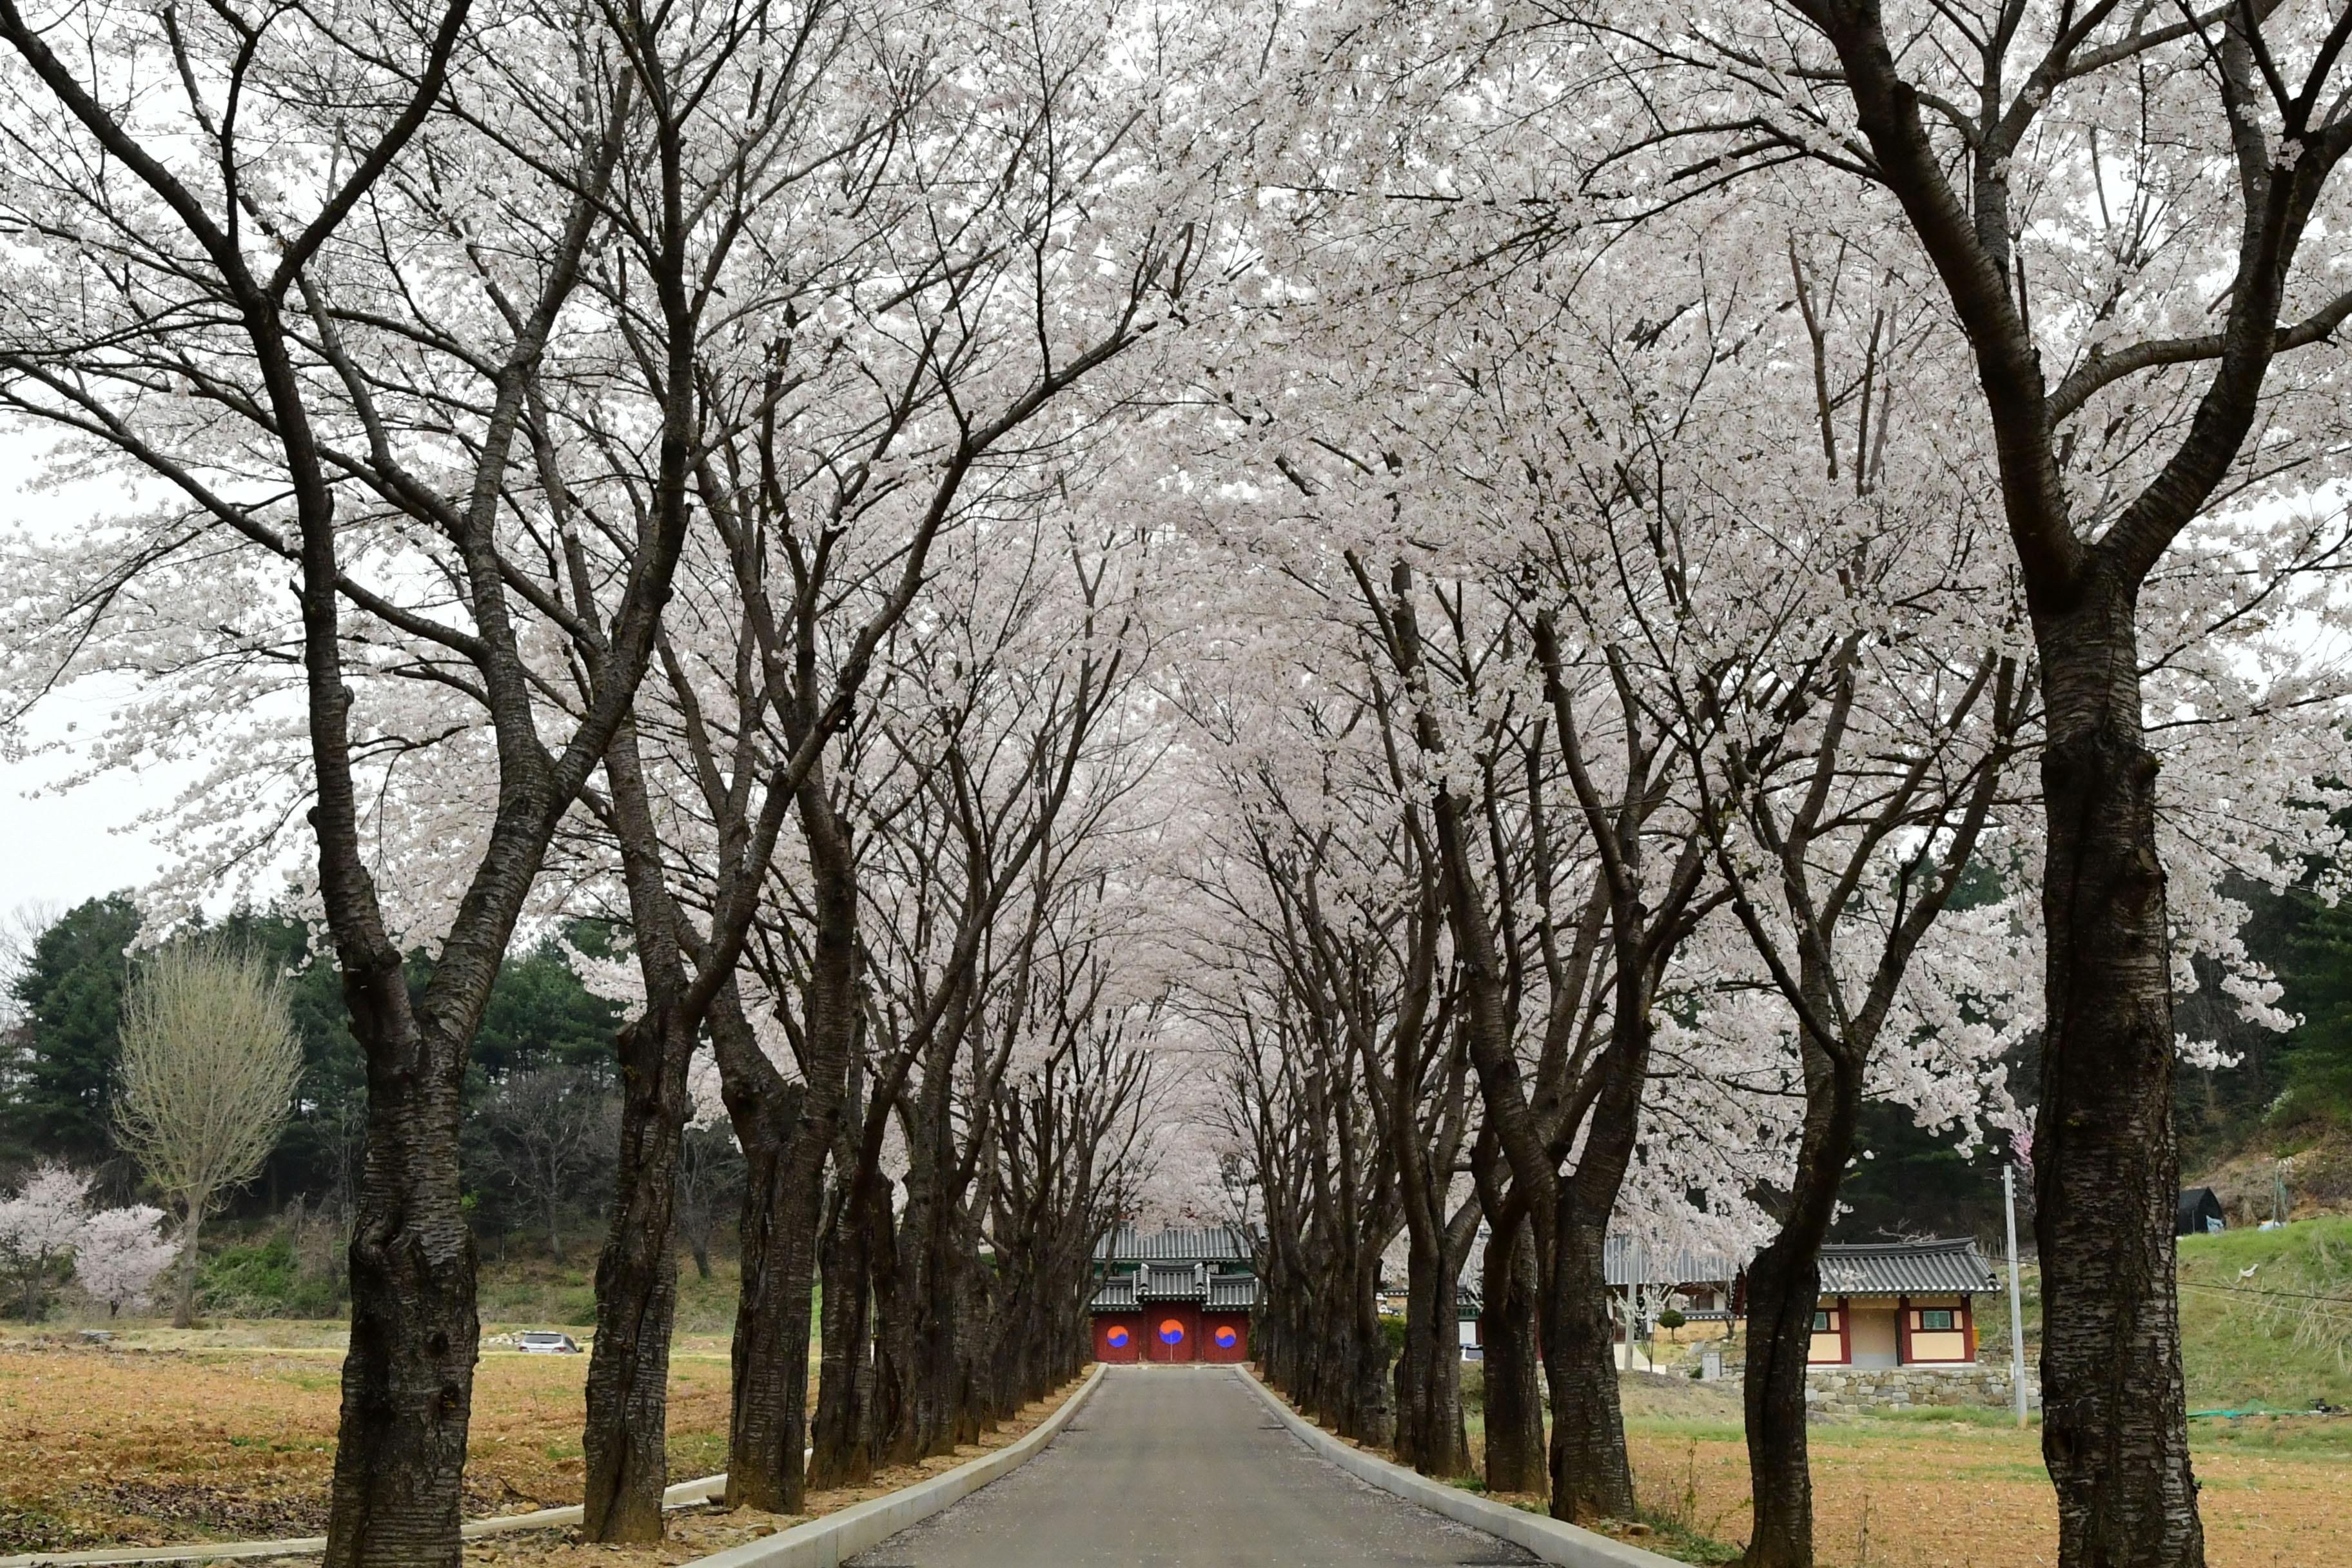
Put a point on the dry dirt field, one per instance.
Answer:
(1933, 1493)
(183, 1439)
(196, 1437)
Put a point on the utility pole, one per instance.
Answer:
(2016, 1302)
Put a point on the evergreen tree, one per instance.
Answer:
(540, 1016)
(59, 1095)
(2317, 974)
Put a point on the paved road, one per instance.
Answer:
(1182, 1467)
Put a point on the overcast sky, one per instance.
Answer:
(61, 850)
(56, 851)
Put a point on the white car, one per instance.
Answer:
(541, 1342)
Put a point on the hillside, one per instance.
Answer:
(2313, 1159)
(2266, 1316)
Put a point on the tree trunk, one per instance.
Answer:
(844, 1432)
(408, 1377)
(937, 1383)
(768, 1426)
(1592, 1476)
(897, 1355)
(183, 1309)
(1783, 1290)
(1430, 1434)
(1367, 1393)
(787, 1131)
(1514, 1397)
(1783, 1293)
(2106, 1158)
(625, 1440)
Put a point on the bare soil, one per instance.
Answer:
(1970, 1491)
(699, 1531)
(154, 1442)
(1959, 1495)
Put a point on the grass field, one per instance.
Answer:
(2266, 1316)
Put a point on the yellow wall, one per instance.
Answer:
(1829, 1345)
(1938, 1344)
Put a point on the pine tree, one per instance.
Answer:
(69, 995)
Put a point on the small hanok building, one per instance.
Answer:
(1900, 1303)
(1174, 1296)
(1701, 1284)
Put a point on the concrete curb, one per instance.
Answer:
(827, 1542)
(678, 1496)
(1547, 1538)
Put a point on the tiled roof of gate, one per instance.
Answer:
(1176, 1282)
(1627, 1262)
(1932, 1267)
(1233, 1292)
(1210, 1244)
(1172, 1282)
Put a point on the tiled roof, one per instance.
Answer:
(1212, 1244)
(1172, 1281)
(1177, 1282)
(1907, 1268)
(1629, 1263)
(1233, 1292)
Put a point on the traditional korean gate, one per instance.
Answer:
(1175, 1333)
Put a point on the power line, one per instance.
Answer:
(2242, 1291)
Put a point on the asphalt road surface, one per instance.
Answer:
(1182, 1467)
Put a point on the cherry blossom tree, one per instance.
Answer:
(368, 369)
(116, 1254)
(2077, 177)
(120, 1255)
(38, 1230)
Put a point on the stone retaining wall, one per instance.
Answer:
(1860, 1390)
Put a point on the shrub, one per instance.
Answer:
(262, 1279)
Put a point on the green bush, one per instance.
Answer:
(1395, 1329)
(262, 1279)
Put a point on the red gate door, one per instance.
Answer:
(1119, 1338)
(1175, 1333)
